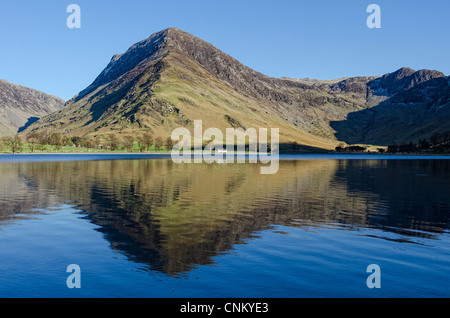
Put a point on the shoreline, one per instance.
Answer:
(225, 154)
(83, 153)
(92, 156)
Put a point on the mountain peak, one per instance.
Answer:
(158, 45)
(149, 48)
(172, 29)
(404, 71)
(421, 75)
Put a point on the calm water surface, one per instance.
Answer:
(152, 228)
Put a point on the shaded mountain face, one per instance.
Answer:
(403, 106)
(21, 106)
(173, 78)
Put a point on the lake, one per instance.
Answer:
(143, 226)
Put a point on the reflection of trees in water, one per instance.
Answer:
(173, 217)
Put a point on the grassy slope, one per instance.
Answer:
(199, 95)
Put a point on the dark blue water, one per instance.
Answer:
(130, 156)
(152, 228)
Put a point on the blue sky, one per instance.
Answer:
(317, 39)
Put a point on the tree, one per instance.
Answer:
(440, 140)
(436, 140)
(147, 140)
(77, 141)
(393, 148)
(113, 142)
(55, 139)
(158, 143)
(42, 139)
(407, 148)
(128, 142)
(15, 143)
(141, 143)
(169, 144)
(2, 143)
(356, 148)
(423, 144)
(32, 140)
(96, 143)
(67, 141)
(87, 142)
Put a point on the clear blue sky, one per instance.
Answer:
(321, 39)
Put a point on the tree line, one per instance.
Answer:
(341, 148)
(54, 142)
(437, 143)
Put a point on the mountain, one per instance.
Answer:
(173, 78)
(402, 106)
(20, 106)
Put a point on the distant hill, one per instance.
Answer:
(21, 106)
(173, 78)
(402, 106)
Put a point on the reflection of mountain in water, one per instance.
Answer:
(412, 194)
(173, 217)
